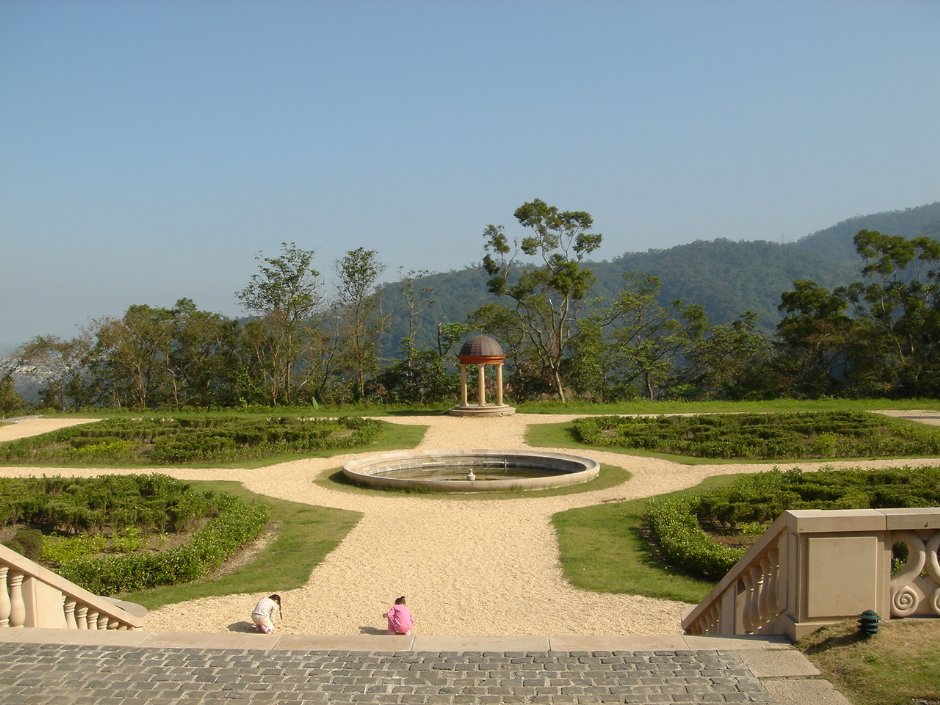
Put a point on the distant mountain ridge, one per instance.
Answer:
(728, 278)
(836, 242)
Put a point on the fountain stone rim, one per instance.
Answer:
(571, 469)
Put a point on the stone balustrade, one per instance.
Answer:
(32, 596)
(816, 567)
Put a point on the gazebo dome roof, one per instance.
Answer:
(481, 348)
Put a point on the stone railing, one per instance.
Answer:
(815, 567)
(33, 596)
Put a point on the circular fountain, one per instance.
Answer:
(471, 470)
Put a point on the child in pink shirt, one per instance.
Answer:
(400, 619)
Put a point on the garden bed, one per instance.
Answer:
(211, 439)
(796, 435)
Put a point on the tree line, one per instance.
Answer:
(878, 336)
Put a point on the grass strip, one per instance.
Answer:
(604, 548)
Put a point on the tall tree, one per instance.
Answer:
(898, 303)
(202, 358)
(10, 400)
(132, 357)
(731, 361)
(417, 297)
(812, 339)
(359, 315)
(285, 294)
(650, 339)
(546, 294)
(425, 374)
(60, 368)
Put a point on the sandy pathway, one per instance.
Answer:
(486, 567)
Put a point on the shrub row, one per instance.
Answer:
(672, 521)
(237, 524)
(678, 524)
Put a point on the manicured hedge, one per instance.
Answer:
(762, 497)
(150, 441)
(152, 503)
(676, 529)
(237, 524)
(678, 524)
(87, 516)
(840, 434)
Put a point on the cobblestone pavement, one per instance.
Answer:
(36, 674)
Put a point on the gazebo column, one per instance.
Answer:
(481, 350)
(463, 385)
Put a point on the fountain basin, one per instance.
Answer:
(471, 470)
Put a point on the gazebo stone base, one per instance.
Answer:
(485, 410)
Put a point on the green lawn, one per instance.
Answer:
(897, 666)
(603, 549)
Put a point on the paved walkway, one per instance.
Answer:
(39, 667)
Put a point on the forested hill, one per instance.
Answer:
(726, 277)
(836, 242)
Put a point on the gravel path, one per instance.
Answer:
(480, 568)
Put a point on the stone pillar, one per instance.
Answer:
(499, 384)
(463, 385)
(481, 385)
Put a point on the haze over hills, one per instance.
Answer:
(728, 278)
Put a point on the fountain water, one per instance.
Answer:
(471, 470)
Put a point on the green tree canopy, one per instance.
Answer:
(545, 293)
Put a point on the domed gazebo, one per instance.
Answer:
(481, 350)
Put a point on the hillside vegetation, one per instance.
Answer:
(725, 277)
(708, 320)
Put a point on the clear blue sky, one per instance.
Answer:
(150, 149)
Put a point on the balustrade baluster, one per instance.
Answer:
(766, 592)
(777, 588)
(713, 623)
(17, 606)
(70, 614)
(757, 576)
(80, 616)
(747, 617)
(4, 598)
(93, 620)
